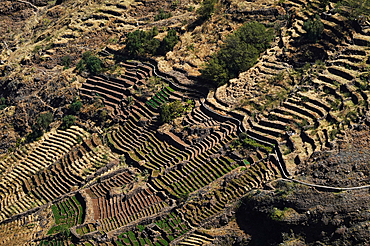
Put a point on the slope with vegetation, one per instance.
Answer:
(184, 122)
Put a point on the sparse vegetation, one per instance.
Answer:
(356, 10)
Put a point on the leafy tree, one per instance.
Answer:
(239, 53)
(170, 111)
(162, 15)
(68, 121)
(42, 123)
(66, 61)
(141, 43)
(169, 41)
(89, 62)
(206, 9)
(314, 28)
(75, 107)
(2, 103)
(44, 120)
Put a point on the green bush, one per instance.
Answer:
(169, 41)
(68, 121)
(170, 111)
(90, 63)
(2, 103)
(206, 9)
(239, 53)
(143, 43)
(66, 61)
(314, 28)
(42, 122)
(75, 107)
(37, 48)
(278, 215)
(162, 15)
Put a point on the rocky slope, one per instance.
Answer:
(226, 171)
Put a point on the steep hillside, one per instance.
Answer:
(111, 134)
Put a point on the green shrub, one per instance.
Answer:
(206, 9)
(68, 121)
(162, 15)
(37, 48)
(42, 122)
(314, 28)
(90, 63)
(170, 111)
(75, 107)
(169, 41)
(66, 61)
(174, 4)
(333, 133)
(239, 53)
(323, 3)
(277, 214)
(2, 103)
(141, 43)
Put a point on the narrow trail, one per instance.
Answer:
(28, 3)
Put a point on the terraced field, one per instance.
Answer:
(141, 181)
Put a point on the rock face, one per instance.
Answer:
(308, 216)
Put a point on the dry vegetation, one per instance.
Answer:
(96, 149)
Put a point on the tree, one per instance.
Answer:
(89, 62)
(66, 61)
(44, 120)
(314, 28)
(162, 15)
(75, 107)
(2, 103)
(169, 41)
(141, 43)
(42, 123)
(206, 9)
(68, 121)
(170, 111)
(239, 53)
